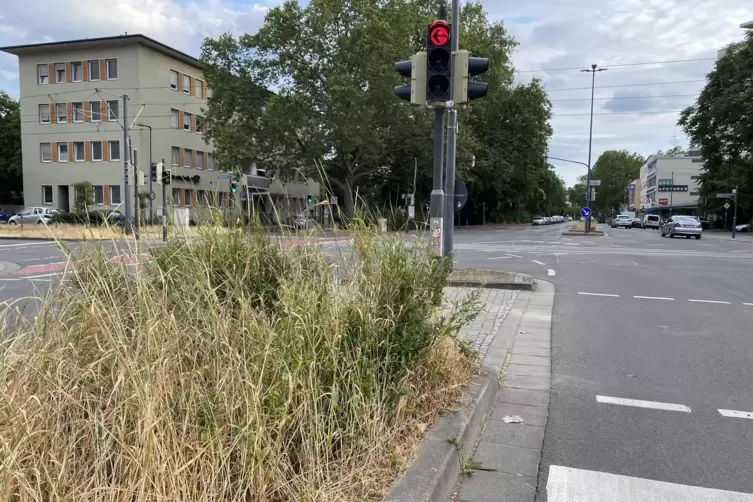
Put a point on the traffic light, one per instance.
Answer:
(438, 66)
(465, 67)
(233, 186)
(140, 178)
(414, 69)
(309, 199)
(166, 176)
(157, 172)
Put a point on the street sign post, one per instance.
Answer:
(734, 214)
(585, 212)
(726, 205)
(725, 195)
(595, 183)
(223, 176)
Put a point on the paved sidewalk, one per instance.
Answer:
(514, 449)
(483, 330)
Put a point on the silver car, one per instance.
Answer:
(682, 225)
(33, 215)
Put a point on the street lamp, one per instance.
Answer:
(592, 71)
(747, 26)
(150, 169)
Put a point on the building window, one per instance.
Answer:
(197, 87)
(112, 110)
(187, 158)
(59, 73)
(173, 80)
(695, 193)
(175, 154)
(115, 194)
(114, 150)
(209, 92)
(96, 151)
(61, 113)
(45, 153)
(174, 117)
(210, 162)
(94, 70)
(186, 84)
(43, 72)
(77, 72)
(186, 121)
(44, 114)
(187, 198)
(695, 177)
(46, 194)
(98, 192)
(78, 112)
(112, 69)
(176, 196)
(78, 151)
(199, 160)
(63, 152)
(201, 197)
(199, 124)
(95, 111)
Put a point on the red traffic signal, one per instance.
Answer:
(438, 65)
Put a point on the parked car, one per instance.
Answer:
(33, 215)
(651, 221)
(5, 215)
(637, 223)
(705, 223)
(538, 220)
(741, 228)
(682, 225)
(622, 221)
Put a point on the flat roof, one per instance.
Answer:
(84, 43)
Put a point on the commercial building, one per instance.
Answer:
(74, 97)
(634, 195)
(670, 183)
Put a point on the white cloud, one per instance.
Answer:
(551, 33)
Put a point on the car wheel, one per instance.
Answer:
(671, 235)
(39, 222)
(698, 237)
(687, 237)
(13, 223)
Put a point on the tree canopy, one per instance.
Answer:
(329, 67)
(11, 181)
(616, 169)
(721, 124)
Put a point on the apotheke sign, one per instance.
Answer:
(673, 188)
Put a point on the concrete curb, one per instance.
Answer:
(434, 474)
(582, 234)
(520, 282)
(48, 239)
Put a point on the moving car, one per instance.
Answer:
(623, 221)
(539, 220)
(682, 225)
(637, 223)
(33, 215)
(742, 228)
(651, 221)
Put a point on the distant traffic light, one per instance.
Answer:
(438, 66)
(233, 186)
(414, 69)
(309, 199)
(465, 67)
(166, 176)
(157, 172)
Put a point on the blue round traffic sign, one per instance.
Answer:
(585, 212)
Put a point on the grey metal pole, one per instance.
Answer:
(136, 205)
(436, 211)
(151, 213)
(126, 155)
(452, 132)
(164, 207)
(590, 141)
(672, 195)
(734, 214)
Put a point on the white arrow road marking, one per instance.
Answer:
(736, 414)
(539, 262)
(550, 272)
(638, 403)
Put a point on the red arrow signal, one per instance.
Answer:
(439, 35)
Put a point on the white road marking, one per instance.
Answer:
(598, 294)
(25, 245)
(550, 272)
(539, 262)
(634, 263)
(748, 304)
(567, 484)
(499, 257)
(653, 298)
(42, 276)
(707, 301)
(638, 403)
(736, 414)
(514, 255)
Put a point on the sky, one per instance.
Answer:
(657, 54)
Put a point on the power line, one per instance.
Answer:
(626, 97)
(627, 85)
(620, 65)
(616, 113)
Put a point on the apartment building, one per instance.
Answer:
(669, 184)
(74, 96)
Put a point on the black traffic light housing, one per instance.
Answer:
(414, 69)
(166, 176)
(234, 186)
(309, 199)
(466, 67)
(438, 62)
(153, 172)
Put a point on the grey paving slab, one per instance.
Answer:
(527, 369)
(533, 382)
(497, 487)
(522, 435)
(535, 342)
(508, 459)
(532, 415)
(522, 396)
(531, 360)
(531, 351)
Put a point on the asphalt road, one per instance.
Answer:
(660, 329)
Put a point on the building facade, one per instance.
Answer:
(74, 97)
(670, 183)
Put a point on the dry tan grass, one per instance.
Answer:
(580, 226)
(229, 369)
(81, 232)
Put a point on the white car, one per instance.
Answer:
(623, 221)
(33, 215)
(539, 220)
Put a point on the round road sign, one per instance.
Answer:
(585, 212)
(439, 33)
(152, 195)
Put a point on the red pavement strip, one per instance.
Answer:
(46, 268)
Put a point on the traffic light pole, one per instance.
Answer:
(164, 207)
(437, 209)
(452, 130)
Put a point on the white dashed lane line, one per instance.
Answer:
(661, 298)
(539, 262)
(708, 301)
(597, 294)
(638, 403)
(499, 257)
(736, 414)
(653, 298)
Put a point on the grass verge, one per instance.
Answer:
(230, 368)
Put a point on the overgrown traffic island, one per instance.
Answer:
(230, 368)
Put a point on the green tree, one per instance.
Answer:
(721, 124)
(11, 181)
(616, 169)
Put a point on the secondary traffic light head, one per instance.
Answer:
(166, 176)
(465, 67)
(438, 62)
(309, 199)
(415, 69)
(157, 172)
(233, 186)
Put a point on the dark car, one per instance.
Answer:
(5, 214)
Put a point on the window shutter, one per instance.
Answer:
(182, 193)
(180, 82)
(70, 151)
(53, 113)
(69, 112)
(87, 151)
(193, 163)
(105, 151)
(206, 160)
(203, 90)
(51, 73)
(102, 69)
(85, 66)
(105, 112)
(190, 86)
(68, 76)
(87, 115)
(180, 161)
(106, 195)
(180, 118)
(53, 151)
(193, 122)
